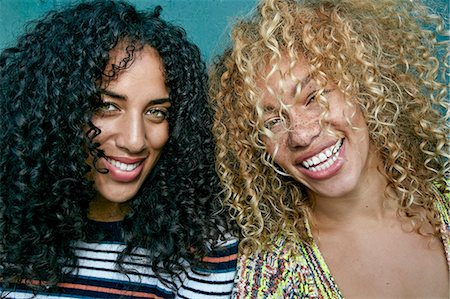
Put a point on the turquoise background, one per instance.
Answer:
(207, 22)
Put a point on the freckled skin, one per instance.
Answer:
(307, 137)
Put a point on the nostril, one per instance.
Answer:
(302, 138)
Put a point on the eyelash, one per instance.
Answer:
(105, 108)
(270, 123)
(313, 95)
(163, 112)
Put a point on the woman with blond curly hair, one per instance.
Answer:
(108, 186)
(333, 147)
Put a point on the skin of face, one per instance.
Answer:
(134, 129)
(340, 153)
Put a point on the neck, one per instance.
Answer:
(106, 211)
(367, 202)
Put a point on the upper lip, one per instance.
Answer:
(127, 160)
(313, 151)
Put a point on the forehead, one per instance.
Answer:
(125, 56)
(283, 78)
(285, 68)
(121, 53)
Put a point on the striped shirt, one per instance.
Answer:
(97, 275)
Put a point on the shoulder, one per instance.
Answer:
(279, 272)
(221, 258)
(97, 275)
(214, 277)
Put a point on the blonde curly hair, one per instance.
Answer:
(390, 56)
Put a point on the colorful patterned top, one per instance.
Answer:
(281, 273)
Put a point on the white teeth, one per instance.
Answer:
(327, 157)
(123, 166)
(315, 160)
(322, 157)
(337, 146)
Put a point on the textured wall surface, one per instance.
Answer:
(207, 22)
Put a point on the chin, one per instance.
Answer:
(116, 196)
(339, 188)
(122, 198)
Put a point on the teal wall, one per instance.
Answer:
(207, 22)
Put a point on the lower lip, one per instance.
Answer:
(330, 171)
(123, 176)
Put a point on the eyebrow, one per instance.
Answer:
(120, 97)
(112, 94)
(303, 83)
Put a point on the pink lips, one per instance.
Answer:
(328, 172)
(121, 175)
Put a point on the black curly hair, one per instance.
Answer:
(48, 93)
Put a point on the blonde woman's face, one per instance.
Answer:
(315, 145)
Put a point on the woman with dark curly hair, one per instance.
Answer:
(332, 131)
(108, 184)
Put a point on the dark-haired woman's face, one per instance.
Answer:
(134, 129)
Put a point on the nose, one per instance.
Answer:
(132, 135)
(304, 129)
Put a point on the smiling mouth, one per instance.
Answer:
(123, 166)
(324, 159)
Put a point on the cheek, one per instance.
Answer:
(98, 121)
(104, 126)
(91, 174)
(358, 123)
(276, 147)
(359, 118)
(270, 144)
(158, 136)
